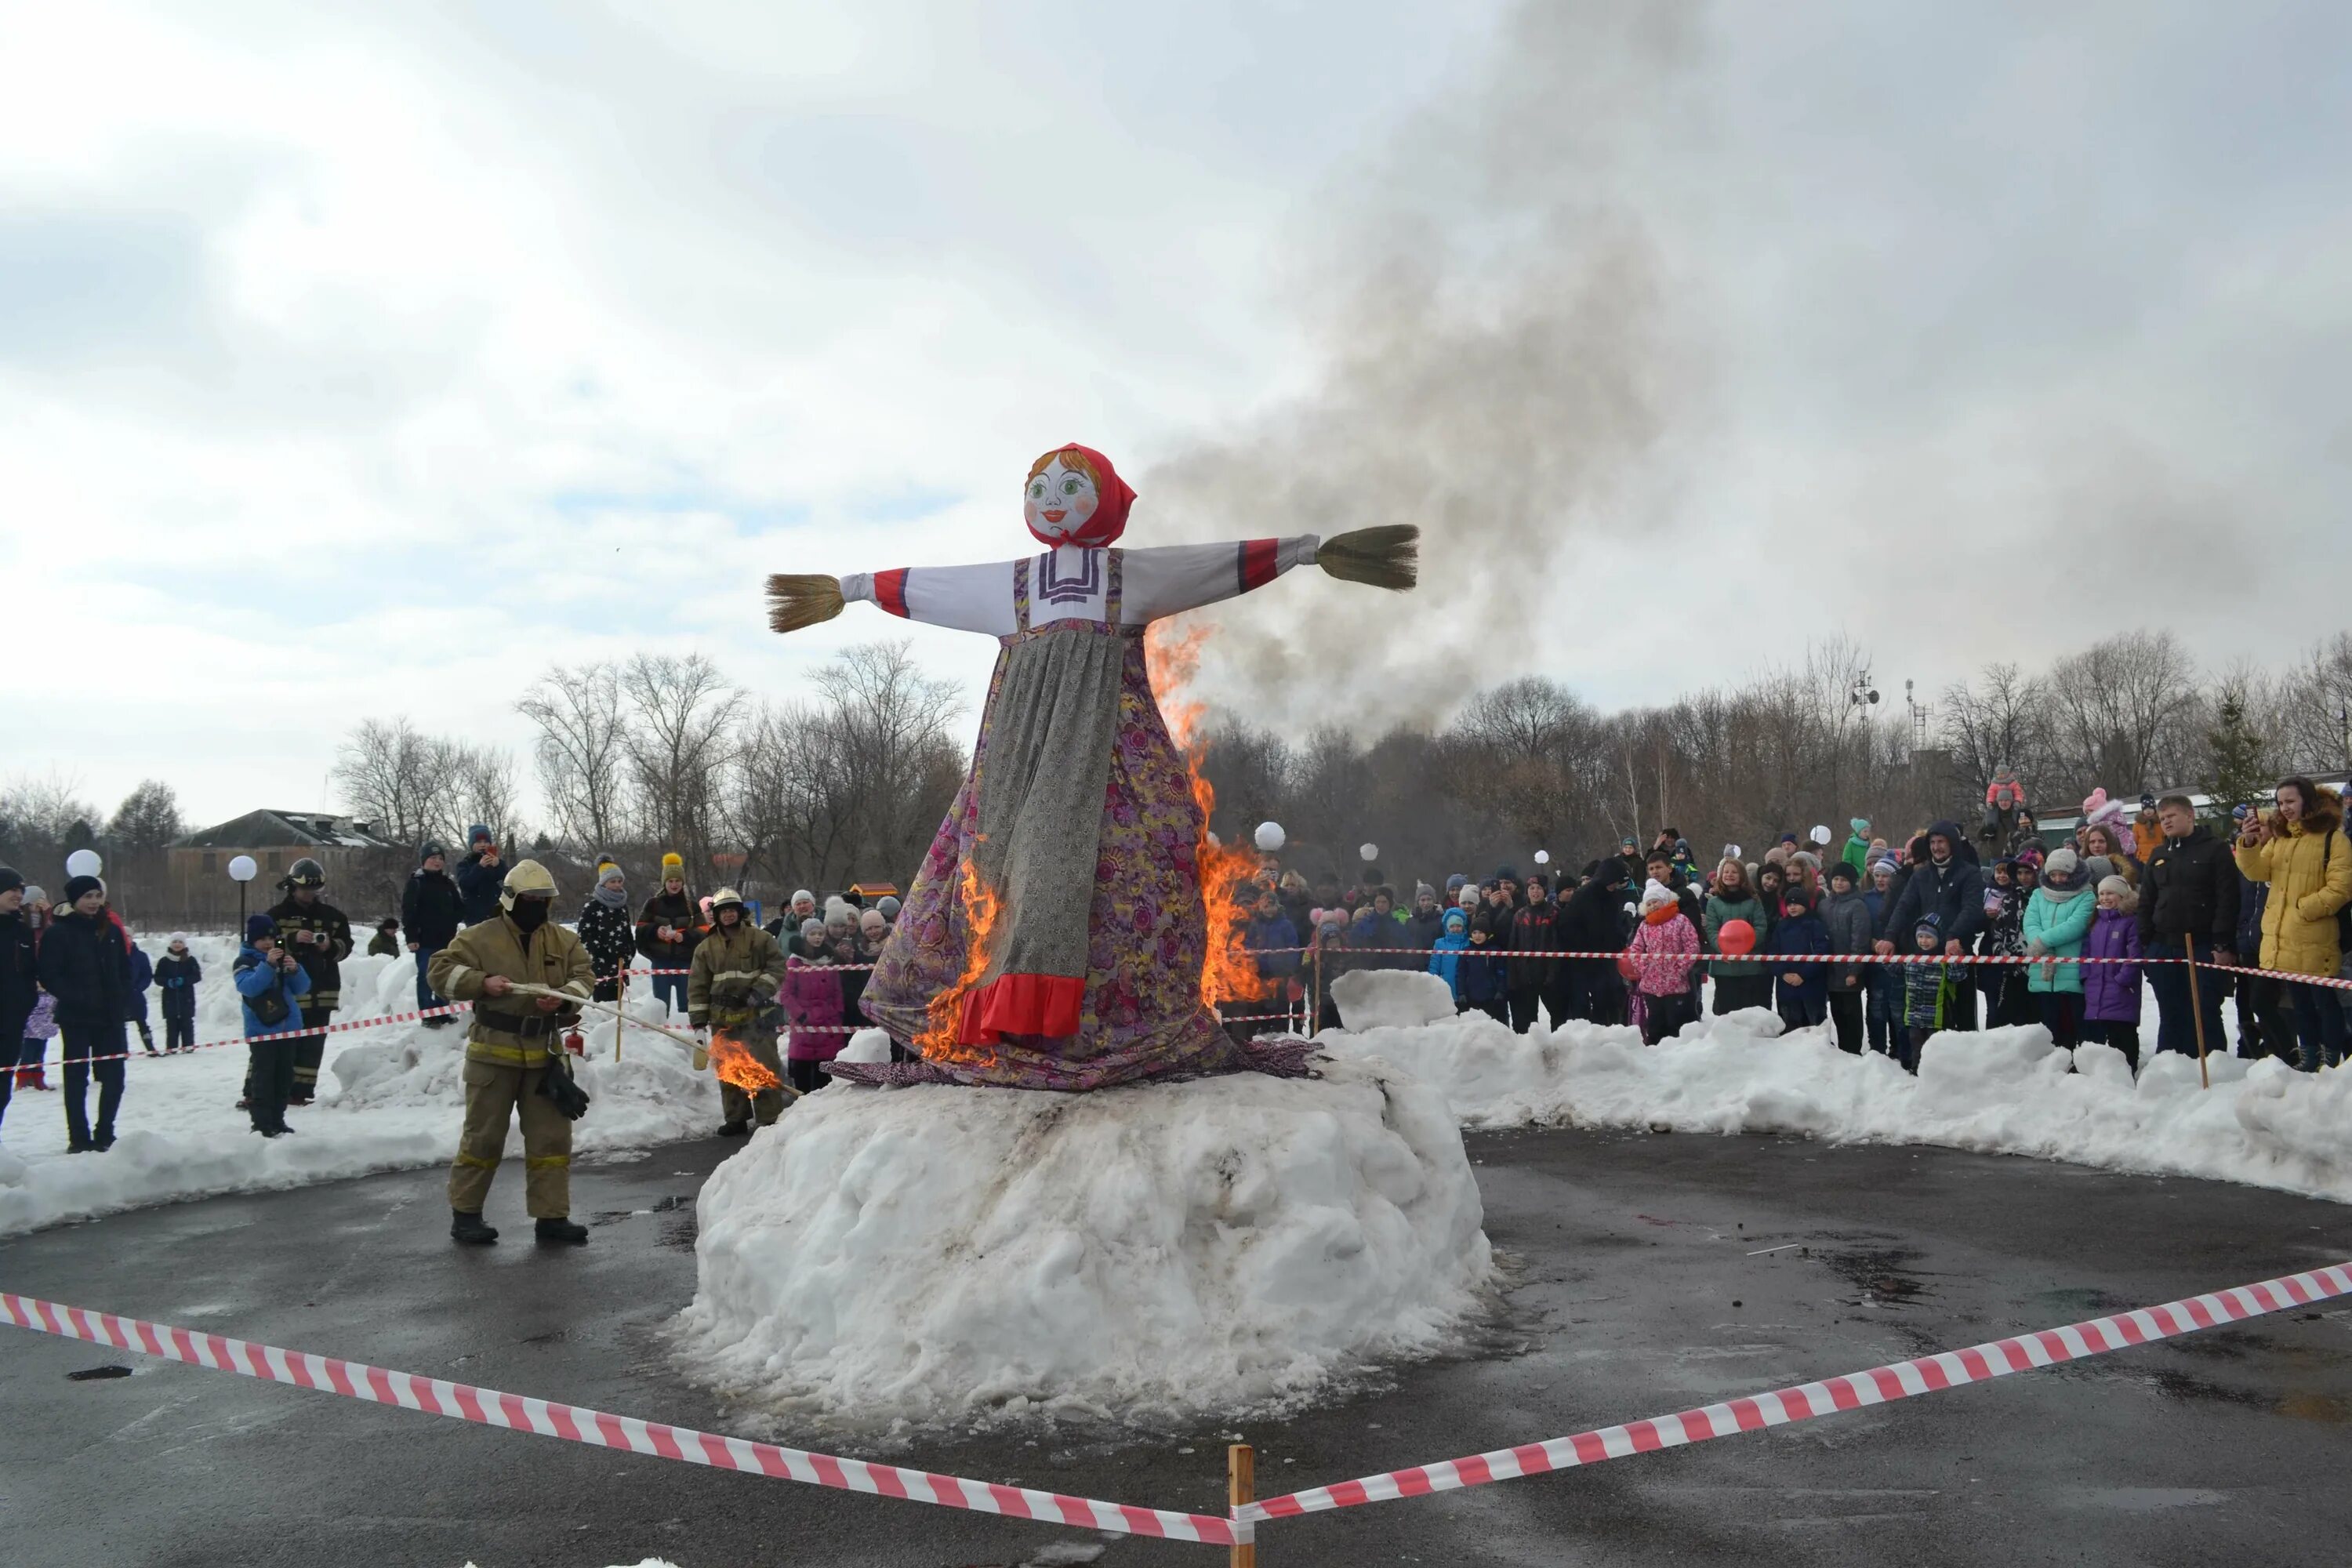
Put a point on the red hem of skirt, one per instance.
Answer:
(1046, 1005)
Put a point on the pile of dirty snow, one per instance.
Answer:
(947, 1255)
(390, 1098)
(2003, 1091)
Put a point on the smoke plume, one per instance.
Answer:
(1499, 348)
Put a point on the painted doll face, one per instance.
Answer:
(1059, 501)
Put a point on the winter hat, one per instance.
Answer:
(2122, 891)
(1888, 864)
(179, 938)
(1507, 873)
(478, 834)
(2097, 868)
(1423, 890)
(1611, 871)
(34, 894)
(1467, 898)
(812, 931)
(1931, 925)
(77, 885)
(889, 905)
(1540, 880)
(1860, 824)
(1627, 843)
(1455, 884)
(1787, 839)
(1075, 470)
(10, 879)
(2064, 871)
(430, 847)
(1456, 921)
(257, 927)
(1843, 872)
(803, 896)
(612, 888)
(388, 922)
(673, 865)
(1655, 895)
(838, 912)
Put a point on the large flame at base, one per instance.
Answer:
(1228, 872)
(943, 1040)
(732, 1060)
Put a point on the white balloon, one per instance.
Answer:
(1822, 836)
(83, 863)
(1214, 839)
(1369, 851)
(1271, 838)
(1543, 857)
(242, 869)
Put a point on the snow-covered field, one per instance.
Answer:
(390, 1098)
(944, 1255)
(2002, 1091)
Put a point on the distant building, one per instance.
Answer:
(353, 856)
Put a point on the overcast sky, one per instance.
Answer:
(354, 366)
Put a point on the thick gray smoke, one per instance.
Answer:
(1499, 346)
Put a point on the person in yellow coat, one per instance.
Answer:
(511, 1045)
(2301, 851)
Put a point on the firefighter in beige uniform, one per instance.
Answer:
(507, 1047)
(730, 986)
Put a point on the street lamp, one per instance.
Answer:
(241, 870)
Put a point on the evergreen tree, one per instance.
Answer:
(147, 821)
(2240, 761)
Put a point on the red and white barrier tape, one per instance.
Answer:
(1799, 960)
(1924, 1375)
(573, 1424)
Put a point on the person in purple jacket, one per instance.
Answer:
(811, 997)
(2111, 991)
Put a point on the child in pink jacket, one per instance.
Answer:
(1659, 961)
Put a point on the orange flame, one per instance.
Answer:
(943, 1041)
(1228, 872)
(732, 1060)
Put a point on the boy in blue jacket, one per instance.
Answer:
(1926, 992)
(1445, 958)
(1802, 990)
(272, 983)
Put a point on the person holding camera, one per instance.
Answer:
(318, 935)
(2299, 850)
(514, 1055)
(480, 876)
(273, 985)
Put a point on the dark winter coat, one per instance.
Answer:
(478, 888)
(1421, 933)
(178, 978)
(86, 965)
(20, 973)
(143, 976)
(323, 958)
(1801, 934)
(1593, 919)
(1535, 929)
(384, 944)
(253, 979)
(679, 913)
(431, 909)
(1480, 979)
(2190, 886)
(1846, 917)
(1264, 939)
(2111, 991)
(1953, 892)
(605, 931)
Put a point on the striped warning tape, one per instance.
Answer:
(1924, 1375)
(573, 1424)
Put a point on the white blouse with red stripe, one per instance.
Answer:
(1070, 583)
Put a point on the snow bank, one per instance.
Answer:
(391, 1098)
(2002, 1091)
(943, 1254)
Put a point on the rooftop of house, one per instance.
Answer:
(275, 829)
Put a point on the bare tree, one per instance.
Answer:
(583, 753)
(2003, 720)
(2128, 713)
(683, 718)
(479, 788)
(390, 771)
(2315, 707)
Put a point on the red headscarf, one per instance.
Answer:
(1112, 498)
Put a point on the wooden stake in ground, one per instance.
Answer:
(2196, 1012)
(1240, 1486)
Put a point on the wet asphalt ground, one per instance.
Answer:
(1640, 1286)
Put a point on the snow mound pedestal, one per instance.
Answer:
(1391, 999)
(1152, 1252)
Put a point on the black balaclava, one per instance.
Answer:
(529, 914)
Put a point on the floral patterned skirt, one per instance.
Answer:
(1147, 937)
